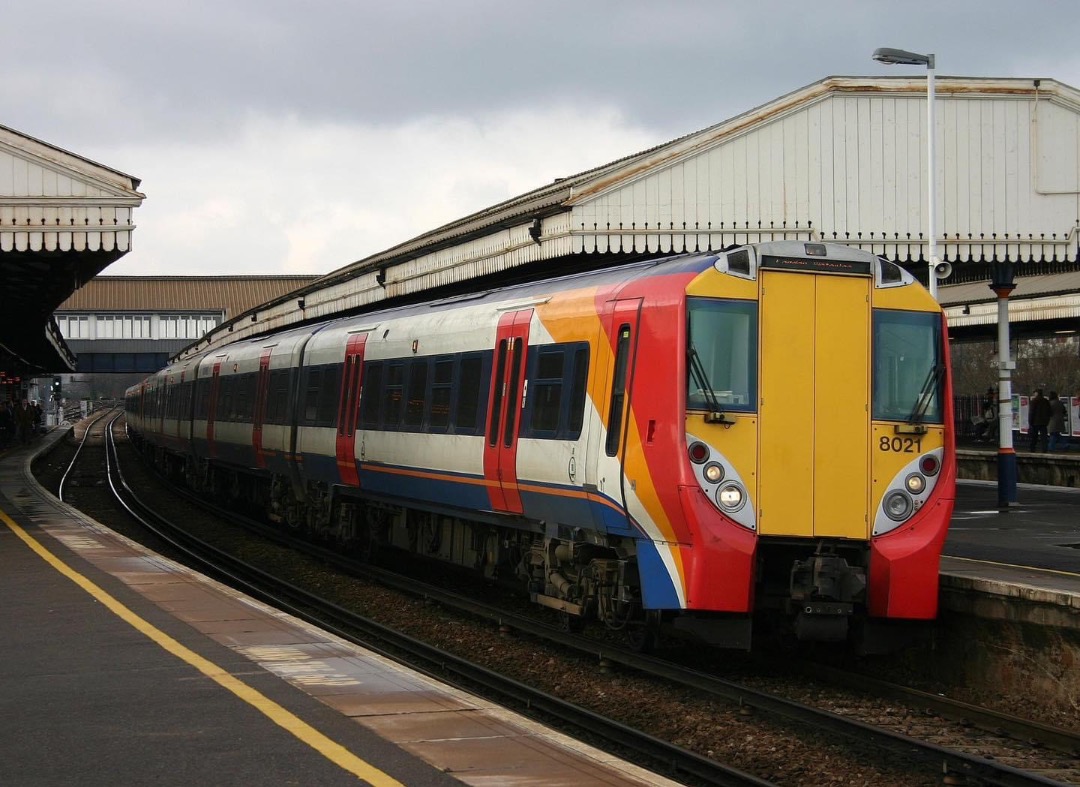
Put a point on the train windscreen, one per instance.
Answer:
(908, 366)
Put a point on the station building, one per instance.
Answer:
(122, 328)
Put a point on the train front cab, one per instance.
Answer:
(831, 453)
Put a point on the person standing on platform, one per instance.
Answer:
(986, 428)
(1056, 425)
(24, 421)
(7, 424)
(1038, 417)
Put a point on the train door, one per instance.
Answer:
(262, 389)
(211, 409)
(505, 401)
(619, 338)
(348, 408)
(815, 406)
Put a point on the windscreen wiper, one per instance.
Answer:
(922, 403)
(697, 371)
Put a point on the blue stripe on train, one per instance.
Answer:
(447, 491)
(657, 589)
(320, 467)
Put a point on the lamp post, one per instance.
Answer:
(904, 58)
(1001, 282)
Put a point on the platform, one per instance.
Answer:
(1021, 563)
(122, 667)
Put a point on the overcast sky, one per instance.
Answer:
(278, 137)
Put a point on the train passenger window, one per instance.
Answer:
(185, 399)
(245, 397)
(371, 395)
(908, 366)
(393, 395)
(578, 384)
(414, 406)
(721, 354)
(202, 397)
(545, 393)
(618, 391)
(225, 399)
(314, 379)
(277, 397)
(440, 395)
(468, 394)
(327, 412)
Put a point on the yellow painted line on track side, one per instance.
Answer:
(1014, 565)
(332, 751)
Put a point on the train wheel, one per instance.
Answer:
(644, 635)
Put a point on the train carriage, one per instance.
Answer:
(693, 439)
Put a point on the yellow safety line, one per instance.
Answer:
(1013, 565)
(334, 752)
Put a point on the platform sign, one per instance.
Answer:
(1020, 413)
(1074, 415)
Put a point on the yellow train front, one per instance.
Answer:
(818, 436)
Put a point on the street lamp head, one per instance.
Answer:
(901, 57)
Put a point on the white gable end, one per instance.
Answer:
(51, 200)
(852, 167)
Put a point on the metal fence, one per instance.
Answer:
(966, 410)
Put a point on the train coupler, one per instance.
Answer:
(823, 622)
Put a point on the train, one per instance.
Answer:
(696, 442)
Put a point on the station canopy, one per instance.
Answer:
(843, 160)
(63, 219)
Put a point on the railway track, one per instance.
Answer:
(937, 760)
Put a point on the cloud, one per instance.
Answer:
(276, 136)
(287, 195)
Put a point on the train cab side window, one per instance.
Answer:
(441, 390)
(414, 405)
(468, 394)
(393, 395)
(371, 396)
(618, 391)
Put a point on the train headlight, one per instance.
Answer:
(714, 473)
(731, 498)
(915, 483)
(898, 505)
